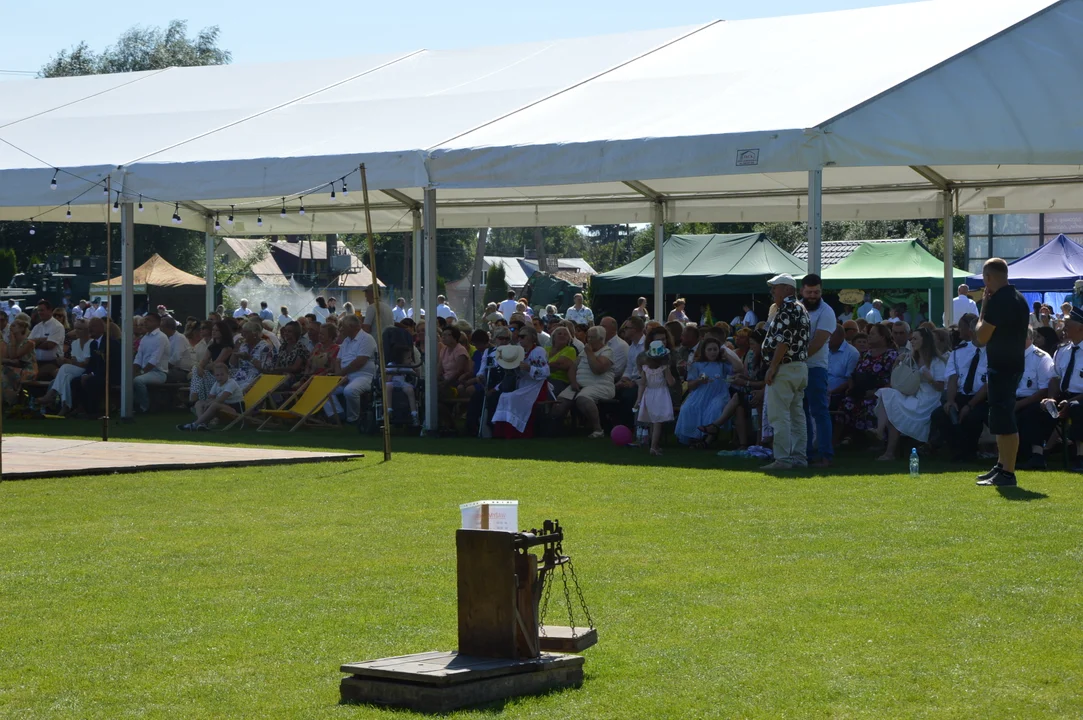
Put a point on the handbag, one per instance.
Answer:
(906, 376)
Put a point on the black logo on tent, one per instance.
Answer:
(746, 158)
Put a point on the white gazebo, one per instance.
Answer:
(907, 111)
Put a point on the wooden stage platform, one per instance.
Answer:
(39, 457)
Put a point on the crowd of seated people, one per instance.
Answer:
(876, 375)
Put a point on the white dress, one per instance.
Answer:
(911, 415)
(515, 407)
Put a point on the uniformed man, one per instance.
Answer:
(1035, 424)
(1068, 368)
(962, 417)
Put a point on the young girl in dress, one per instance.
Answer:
(654, 403)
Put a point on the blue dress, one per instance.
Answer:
(704, 404)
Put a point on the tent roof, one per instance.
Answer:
(703, 265)
(1053, 267)
(155, 272)
(897, 103)
(888, 265)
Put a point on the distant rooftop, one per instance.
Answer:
(835, 251)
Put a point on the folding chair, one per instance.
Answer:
(255, 396)
(308, 400)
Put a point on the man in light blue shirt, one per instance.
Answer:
(841, 362)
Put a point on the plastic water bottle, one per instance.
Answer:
(914, 472)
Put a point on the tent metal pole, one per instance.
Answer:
(208, 242)
(415, 288)
(659, 276)
(949, 251)
(432, 418)
(127, 308)
(815, 218)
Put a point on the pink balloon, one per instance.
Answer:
(621, 435)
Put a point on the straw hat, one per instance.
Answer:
(509, 356)
(657, 349)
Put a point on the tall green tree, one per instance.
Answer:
(142, 48)
(138, 48)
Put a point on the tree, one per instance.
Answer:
(8, 266)
(228, 272)
(496, 289)
(142, 48)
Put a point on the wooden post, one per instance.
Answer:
(379, 323)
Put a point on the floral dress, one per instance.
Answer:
(246, 373)
(872, 372)
(322, 359)
(15, 375)
(287, 357)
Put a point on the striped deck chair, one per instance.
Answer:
(301, 407)
(256, 395)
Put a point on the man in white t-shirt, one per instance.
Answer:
(579, 313)
(876, 315)
(48, 338)
(243, 310)
(822, 323)
(12, 310)
(961, 305)
(750, 319)
(443, 309)
(507, 307)
(398, 313)
(387, 318)
(614, 342)
(356, 363)
(151, 362)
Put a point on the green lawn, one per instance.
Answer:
(718, 591)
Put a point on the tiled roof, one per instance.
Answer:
(837, 250)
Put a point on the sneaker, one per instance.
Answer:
(596, 435)
(777, 465)
(1001, 478)
(989, 475)
(185, 427)
(202, 427)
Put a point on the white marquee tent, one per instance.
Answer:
(906, 111)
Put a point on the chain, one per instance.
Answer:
(545, 601)
(579, 592)
(568, 599)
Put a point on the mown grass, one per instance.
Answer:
(718, 591)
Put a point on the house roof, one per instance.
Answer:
(268, 271)
(836, 250)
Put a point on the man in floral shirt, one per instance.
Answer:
(786, 344)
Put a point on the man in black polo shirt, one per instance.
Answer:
(1002, 330)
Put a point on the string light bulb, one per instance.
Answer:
(52, 185)
(259, 218)
(302, 210)
(217, 225)
(140, 203)
(176, 213)
(332, 192)
(283, 213)
(229, 220)
(116, 203)
(69, 211)
(33, 230)
(105, 190)
(345, 190)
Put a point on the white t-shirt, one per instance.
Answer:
(236, 395)
(387, 317)
(361, 346)
(99, 312)
(874, 316)
(822, 318)
(398, 314)
(153, 350)
(750, 319)
(444, 310)
(960, 306)
(320, 313)
(241, 312)
(283, 320)
(507, 308)
(52, 331)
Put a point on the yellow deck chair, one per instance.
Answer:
(303, 405)
(256, 395)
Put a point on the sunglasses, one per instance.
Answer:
(524, 335)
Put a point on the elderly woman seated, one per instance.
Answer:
(68, 369)
(562, 359)
(590, 381)
(515, 410)
(252, 357)
(292, 357)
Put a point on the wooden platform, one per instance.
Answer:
(436, 682)
(39, 457)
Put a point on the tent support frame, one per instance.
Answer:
(815, 218)
(659, 273)
(949, 252)
(432, 406)
(415, 285)
(127, 309)
(208, 241)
